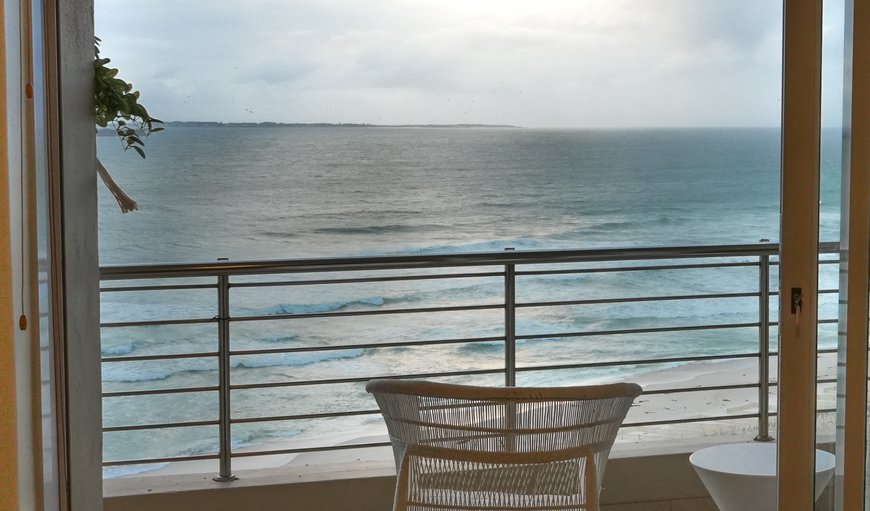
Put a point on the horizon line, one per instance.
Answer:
(266, 124)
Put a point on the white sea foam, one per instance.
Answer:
(313, 308)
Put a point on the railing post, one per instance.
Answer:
(763, 349)
(225, 452)
(510, 326)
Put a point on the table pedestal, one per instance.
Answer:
(742, 477)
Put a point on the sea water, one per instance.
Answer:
(286, 193)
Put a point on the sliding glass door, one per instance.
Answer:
(823, 371)
(851, 439)
(799, 257)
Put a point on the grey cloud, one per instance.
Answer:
(552, 63)
(277, 70)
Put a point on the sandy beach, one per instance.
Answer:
(654, 405)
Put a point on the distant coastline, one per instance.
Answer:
(210, 124)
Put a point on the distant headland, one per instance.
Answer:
(210, 124)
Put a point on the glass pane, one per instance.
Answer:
(349, 128)
(830, 280)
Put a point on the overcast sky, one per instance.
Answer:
(535, 63)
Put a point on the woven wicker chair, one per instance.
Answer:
(461, 447)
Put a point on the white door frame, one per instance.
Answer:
(855, 261)
(799, 252)
(74, 265)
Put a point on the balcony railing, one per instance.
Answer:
(579, 310)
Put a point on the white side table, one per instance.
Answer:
(742, 477)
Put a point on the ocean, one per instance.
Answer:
(287, 193)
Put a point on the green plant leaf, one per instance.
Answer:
(116, 103)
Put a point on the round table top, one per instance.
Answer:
(754, 458)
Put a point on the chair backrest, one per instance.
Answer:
(507, 447)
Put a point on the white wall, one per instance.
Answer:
(77, 283)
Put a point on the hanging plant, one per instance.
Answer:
(116, 104)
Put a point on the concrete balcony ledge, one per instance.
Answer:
(655, 477)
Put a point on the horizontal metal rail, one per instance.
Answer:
(658, 267)
(350, 264)
(383, 312)
(432, 342)
(370, 345)
(363, 379)
(167, 356)
(157, 392)
(650, 330)
(365, 280)
(515, 267)
(166, 287)
(162, 425)
(168, 459)
(162, 322)
(640, 299)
